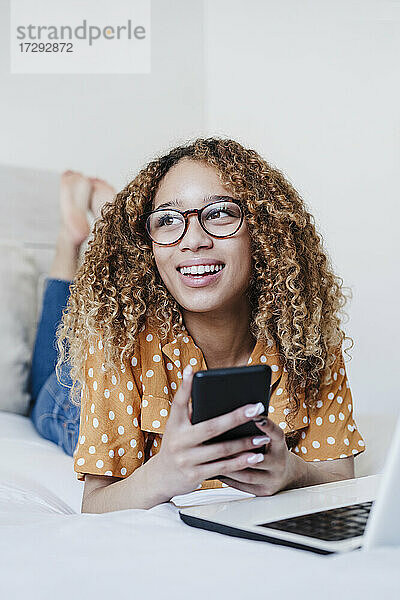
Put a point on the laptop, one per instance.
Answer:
(326, 518)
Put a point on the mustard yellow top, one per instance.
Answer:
(121, 424)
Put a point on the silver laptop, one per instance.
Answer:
(326, 518)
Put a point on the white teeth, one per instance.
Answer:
(200, 269)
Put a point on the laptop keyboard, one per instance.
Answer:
(330, 525)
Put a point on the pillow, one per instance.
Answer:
(18, 315)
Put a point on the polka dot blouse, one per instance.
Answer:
(122, 422)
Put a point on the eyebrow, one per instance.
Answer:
(204, 200)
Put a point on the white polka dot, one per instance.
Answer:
(123, 471)
(100, 345)
(346, 441)
(361, 443)
(129, 409)
(330, 440)
(123, 369)
(90, 372)
(355, 451)
(349, 407)
(121, 451)
(177, 352)
(331, 396)
(335, 376)
(80, 461)
(92, 407)
(305, 420)
(263, 358)
(297, 449)
(332, 418)
(286, 411)
(155, 443)
(341, 416)
(316, 444)
(279, 391)
(82, 439)
(179, 375)
(347, 384)
(111, 415)
(111, 454)
(149, 337)
(173, 385)
(144, 402)
(343, 456)
(121, 396)
(163, 412)
(129, 385)
(271, 409)
(193, 361)
(341, 371)
(318, 421)
(133, 443)
(121, 429)
(185, 339)
(170, 366)
(104, 438)
(134, 361)
(316, 460)
(320, 404)
(304, 449)
(156, 358)
(339, 399)
(140, 454)
(149, 373)
(103, 367)
(95, 423)
(250, 360)
(150, 453)
(177, 363)
(92, 449)
(91, 349)
(99, 464)
(108, 473)
(143, 387)
(135, 422)
(165, 390)
(282, 425)
(106, 393)
(274, 368)
(303, 435)
(350, 427)
(156, 424)
(114, 380)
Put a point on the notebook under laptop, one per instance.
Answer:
(327, 518)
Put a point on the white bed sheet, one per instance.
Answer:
(49, 550)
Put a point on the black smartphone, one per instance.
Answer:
(219, 391)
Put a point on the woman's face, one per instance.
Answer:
(190, 182)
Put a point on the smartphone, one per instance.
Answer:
(219, 391)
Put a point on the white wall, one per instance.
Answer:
(314, 87)
(107, 125)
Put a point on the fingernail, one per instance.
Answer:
(254, 410)
(187, 371)
(261, 422)
(261, 440)
(255, 458)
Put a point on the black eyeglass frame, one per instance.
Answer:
(195, 211)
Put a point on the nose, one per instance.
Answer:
(195, 234)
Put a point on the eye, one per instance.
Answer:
(165, 220)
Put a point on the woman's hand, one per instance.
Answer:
(280, 469)
(184, 462)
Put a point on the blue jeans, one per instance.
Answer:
(51, 411)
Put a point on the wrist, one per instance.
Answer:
(154, 480)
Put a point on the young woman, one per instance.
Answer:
(207, 259)
(52, 413)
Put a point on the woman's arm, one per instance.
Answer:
(105, 494)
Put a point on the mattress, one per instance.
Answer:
(48, 549)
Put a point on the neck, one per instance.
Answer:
(223, 336)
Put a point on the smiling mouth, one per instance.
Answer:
(201, 271)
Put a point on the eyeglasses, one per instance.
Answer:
(166, 226)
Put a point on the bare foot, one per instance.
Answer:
(75, 195)
(102, 192)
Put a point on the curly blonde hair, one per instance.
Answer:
(295, 297)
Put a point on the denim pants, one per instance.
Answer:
(51, 411)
